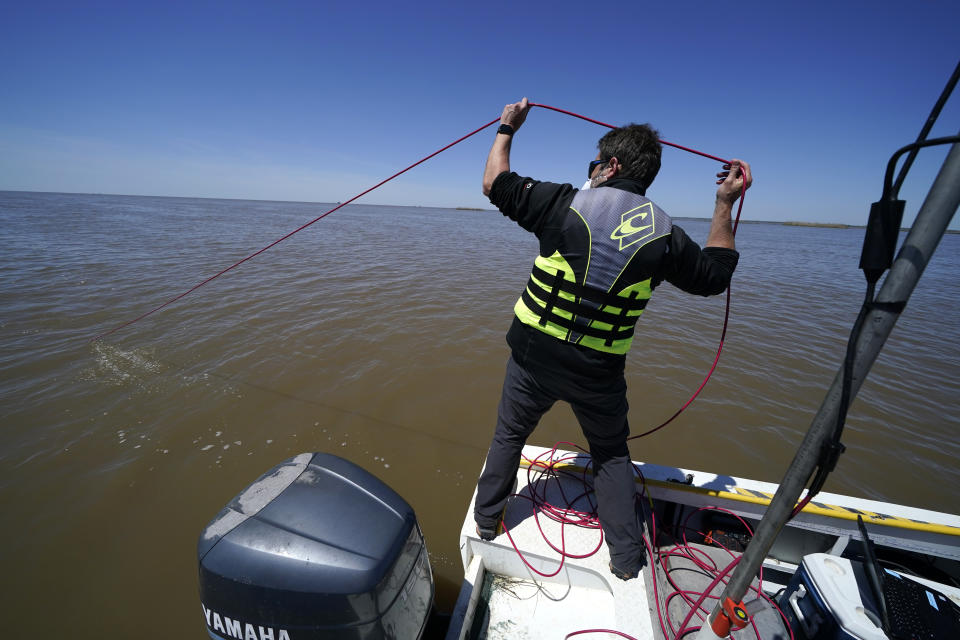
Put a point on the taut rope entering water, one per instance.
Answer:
(380, 184)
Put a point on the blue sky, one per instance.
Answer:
(317, 101)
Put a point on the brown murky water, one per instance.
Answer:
(377, 335)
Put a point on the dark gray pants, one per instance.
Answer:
(600, 406)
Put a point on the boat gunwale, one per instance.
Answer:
(761, 493)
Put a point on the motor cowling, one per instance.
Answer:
(316, 548)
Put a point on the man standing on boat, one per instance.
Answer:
(603, 250)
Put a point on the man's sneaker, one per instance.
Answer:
(623, 575)
(488, 534)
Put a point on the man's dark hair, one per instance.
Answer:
(637, 147)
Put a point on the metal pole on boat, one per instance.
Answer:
(924, 236)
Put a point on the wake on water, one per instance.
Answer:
(142, 370)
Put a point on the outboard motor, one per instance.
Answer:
(315, 548)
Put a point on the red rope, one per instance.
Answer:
(726, 313)
(298, 229)
(548, 467)
(604, 124)
(716, 359)
(359, 195)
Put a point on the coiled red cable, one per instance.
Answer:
(658, 558)
(549, 466)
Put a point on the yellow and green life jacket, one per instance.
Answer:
(593, 288)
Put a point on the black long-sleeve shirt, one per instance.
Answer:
(540, 207)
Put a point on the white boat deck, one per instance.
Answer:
(504, 596)
(577, 594)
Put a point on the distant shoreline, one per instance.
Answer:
(791, 223)
(827, 225)
(822, 225)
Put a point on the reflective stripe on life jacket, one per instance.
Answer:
(582, 298)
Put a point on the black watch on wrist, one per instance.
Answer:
(505, 129)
